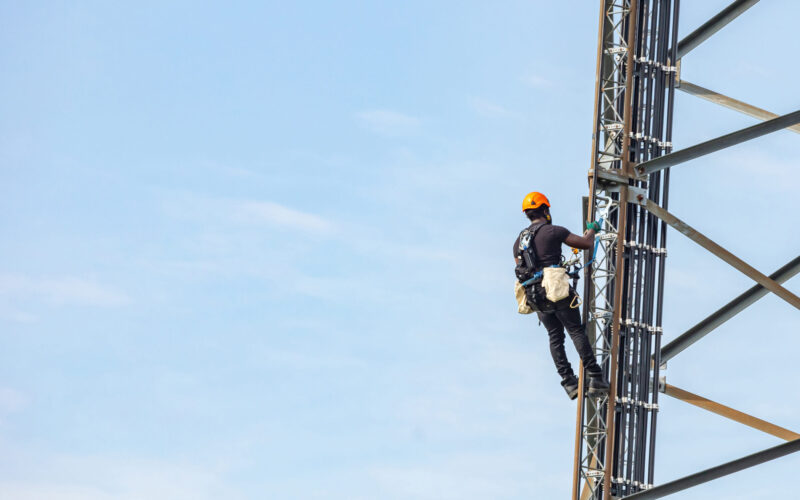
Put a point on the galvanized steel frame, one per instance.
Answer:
(635, 88)
(629, 177)
(607, 145)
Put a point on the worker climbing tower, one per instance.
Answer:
(638, 65)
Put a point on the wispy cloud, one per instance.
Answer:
(105, 477)
(10, 314)
(488, 108)
(299, 360)
(62, 290)
(537, 81)
(388, 122)
(229, 212)
(280, 215)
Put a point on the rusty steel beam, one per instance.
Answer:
(586, 408)
(717, 250)
(578, 422)
(716, 23)
(718, 144)
(727, 311)
(730, 103)
(730, 413)
(615, 327)
(627, 169)
(718, 471)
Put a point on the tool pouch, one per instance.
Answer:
(555, 283)
(522, 299)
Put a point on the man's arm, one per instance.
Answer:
(584, 242)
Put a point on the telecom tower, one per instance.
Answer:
(638, 70)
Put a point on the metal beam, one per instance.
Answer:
(718, 144)
(729, 102)
(727, 311)
(727, 412)
(717, 250)
(590, 483)
(718, 471)
(716, 23)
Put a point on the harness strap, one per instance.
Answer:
(532, 246)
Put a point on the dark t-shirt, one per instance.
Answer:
(547, 243)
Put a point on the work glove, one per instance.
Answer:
(594, 226)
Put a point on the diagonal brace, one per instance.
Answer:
(717, 250)
(713, 25)
(718, 471)
(726, 312)
(729, 102)
(727, 412)
(718, 144)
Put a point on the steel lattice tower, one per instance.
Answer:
(638, 65)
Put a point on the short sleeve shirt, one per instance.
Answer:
(548, 243)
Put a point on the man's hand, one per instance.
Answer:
(593, 226)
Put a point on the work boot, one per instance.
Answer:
(570, 384)
(597, 385)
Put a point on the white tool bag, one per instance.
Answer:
(522, 299)
(555, 283)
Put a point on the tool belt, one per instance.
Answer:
(532, 297)
(538, 289)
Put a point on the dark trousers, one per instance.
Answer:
(568, 318)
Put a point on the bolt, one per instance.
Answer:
(639, 197)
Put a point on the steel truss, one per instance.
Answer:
(637, 74)
(615, 441)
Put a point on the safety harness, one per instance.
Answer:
(528, 271)
(530, 274)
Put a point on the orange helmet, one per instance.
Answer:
(534, 200)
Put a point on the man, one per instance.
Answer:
(538, 247)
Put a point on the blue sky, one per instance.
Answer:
(262, 249)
